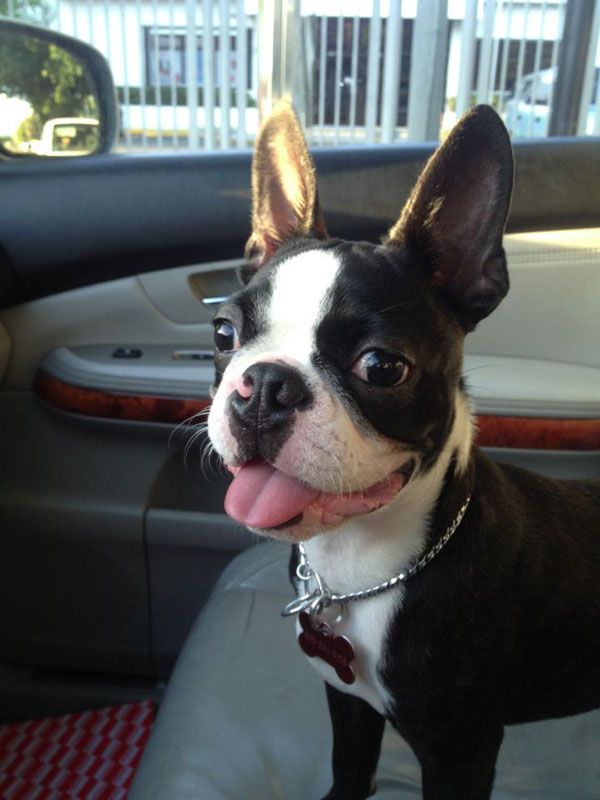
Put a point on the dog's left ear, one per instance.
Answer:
(456, 214)
(285, 203)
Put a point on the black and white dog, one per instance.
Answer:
(341, 411)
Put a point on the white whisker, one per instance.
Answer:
(187, 423)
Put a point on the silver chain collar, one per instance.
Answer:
(321, 596)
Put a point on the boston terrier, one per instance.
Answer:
(435, 589)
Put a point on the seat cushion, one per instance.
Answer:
(245, 715)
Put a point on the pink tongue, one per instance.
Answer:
(262, 497)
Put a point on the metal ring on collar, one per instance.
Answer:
(297, 605)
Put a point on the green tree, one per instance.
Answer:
(29, 129)
(46, 76)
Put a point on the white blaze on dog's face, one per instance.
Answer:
(339, 364)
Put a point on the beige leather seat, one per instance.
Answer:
(245, 717)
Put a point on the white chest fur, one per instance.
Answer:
(366, 626)
(360, 554)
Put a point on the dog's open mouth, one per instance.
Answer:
(262, 496)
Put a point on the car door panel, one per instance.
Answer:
(190, 294)
(160, 386)
(189, 542)
(159, 371)
(104, 491)
(534, 363)
(116, 312)
(551, 310)
(73, 579)
(123, 572)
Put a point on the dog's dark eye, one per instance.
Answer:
(381, 369)
(226, 336)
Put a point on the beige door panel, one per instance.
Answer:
(550, 313)
(552, 310)
(161, 308)
(189, 295)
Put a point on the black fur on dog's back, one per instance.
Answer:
(504, 624)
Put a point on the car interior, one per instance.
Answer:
(122, 581)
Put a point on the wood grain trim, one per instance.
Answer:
(107, 405)
(535, 433)
(538, 433)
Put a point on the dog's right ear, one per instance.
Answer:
(285, 202)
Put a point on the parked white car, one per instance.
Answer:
(527, 113)
(68, 136)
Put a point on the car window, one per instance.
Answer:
(193, 76)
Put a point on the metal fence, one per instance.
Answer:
(407, 70)
(196, 73)
(185, 70)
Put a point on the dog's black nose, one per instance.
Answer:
(269, 394)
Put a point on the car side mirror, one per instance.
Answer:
(57, 96)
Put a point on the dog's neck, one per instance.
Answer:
(368, 549)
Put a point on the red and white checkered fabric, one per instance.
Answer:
(91, 755)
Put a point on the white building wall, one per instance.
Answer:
(117, 28)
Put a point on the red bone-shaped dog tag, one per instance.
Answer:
(317, 639)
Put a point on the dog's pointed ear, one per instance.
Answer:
(285, 202)
(456, 214)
